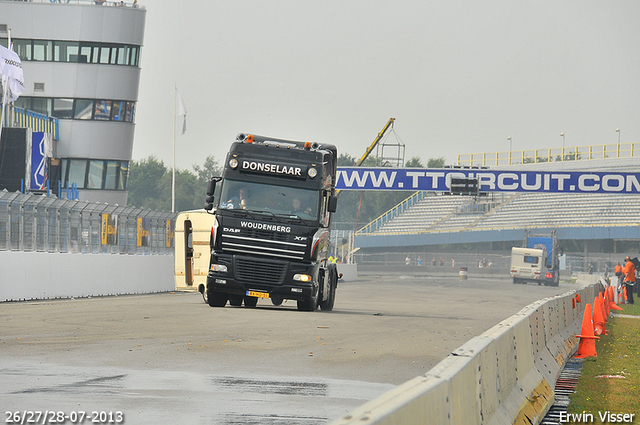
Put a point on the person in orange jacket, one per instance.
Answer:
(629, 272)
(618, 272)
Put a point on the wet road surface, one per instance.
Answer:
(169, 358)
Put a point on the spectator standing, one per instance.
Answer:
(407, 261)
(618, 272)
(629, 272)
(419, 260)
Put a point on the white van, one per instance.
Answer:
(527, 264)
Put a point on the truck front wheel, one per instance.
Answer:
(310, 304)
(250, 302)
(327, 305)
(216, 299)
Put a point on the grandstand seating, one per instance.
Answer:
(436, 214)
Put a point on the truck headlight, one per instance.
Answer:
(312, 172)
(219, 268)
(233, 163)
(302, 277)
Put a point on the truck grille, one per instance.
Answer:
(250, 244)
(265, 272)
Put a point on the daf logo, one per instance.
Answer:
(228, 230)
(300, 238)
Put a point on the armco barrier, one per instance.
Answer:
(504, 376)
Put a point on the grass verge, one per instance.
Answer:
(611, 381)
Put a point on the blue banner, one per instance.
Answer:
(439, 180)
(38, 160)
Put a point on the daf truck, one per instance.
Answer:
(272, 210)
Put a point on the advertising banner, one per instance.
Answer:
(109, 229)
(439, 180)
(170, 233)
(41, 149)
(144, 226)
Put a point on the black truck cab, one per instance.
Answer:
(271, 231)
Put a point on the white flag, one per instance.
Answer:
(11, 71)
(182, 110)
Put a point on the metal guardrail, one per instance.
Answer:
(48, 224)
(20, 117)
(392, 213)
(536, 156)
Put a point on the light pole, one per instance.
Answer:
(562, 134)
(509, 139)
(618, 131)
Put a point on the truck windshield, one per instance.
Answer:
(279, 200)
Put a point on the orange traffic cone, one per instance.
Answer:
(614, 306)
(598, 319)
(603, 304)
(587, 347)
(611, 300)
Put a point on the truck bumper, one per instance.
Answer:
(275, 278)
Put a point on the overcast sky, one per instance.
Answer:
(458, 76)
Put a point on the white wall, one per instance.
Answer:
(43, 275)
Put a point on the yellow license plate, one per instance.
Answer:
(257, 294)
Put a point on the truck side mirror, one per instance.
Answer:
(211, 188)
(333, 204)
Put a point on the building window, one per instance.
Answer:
(94, 176)
(77, 172)
(111, 176)
(123, 173)
(65, 51)
(40, 105)
(95, 173)
(75, 51)
(117, 110)
(83, 109)
(42, 50)
(130, 112)
(62, 108)
(80, 109)
(22, 48)
(102, 110)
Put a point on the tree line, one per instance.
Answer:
(150, 183)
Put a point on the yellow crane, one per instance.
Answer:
(388, 125)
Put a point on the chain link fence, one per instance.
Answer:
(39, 223)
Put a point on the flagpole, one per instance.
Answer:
(173, 179)
(5, 82)
(4, 97)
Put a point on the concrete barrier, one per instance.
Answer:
(504, 376)
(44, 275)
(349, 272)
